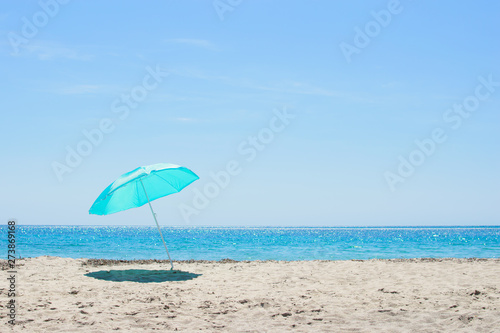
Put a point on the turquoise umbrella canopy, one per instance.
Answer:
(137, 187)
(141, 186)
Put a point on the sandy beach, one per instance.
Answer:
(416, 295)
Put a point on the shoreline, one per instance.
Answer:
(111, 262)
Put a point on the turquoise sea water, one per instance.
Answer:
(259, 243)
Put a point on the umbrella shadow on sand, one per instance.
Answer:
(143, 275)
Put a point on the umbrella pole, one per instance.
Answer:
(159, 230)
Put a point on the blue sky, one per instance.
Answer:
(346, 155)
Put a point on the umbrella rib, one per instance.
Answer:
(166, 181)
(125, 184)
(137, 190)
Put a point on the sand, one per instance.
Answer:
(416, 295)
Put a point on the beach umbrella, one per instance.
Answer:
(141, 186)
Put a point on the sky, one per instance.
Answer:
(292, 113)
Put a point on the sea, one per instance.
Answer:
(255, 243)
